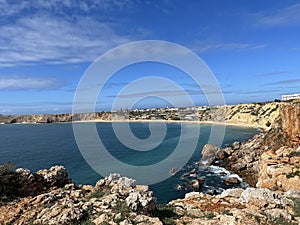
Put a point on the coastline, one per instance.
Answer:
(270, 160)
(153, 121)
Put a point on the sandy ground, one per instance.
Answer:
(168, 121)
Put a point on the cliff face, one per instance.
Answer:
(264, 115)
(283, 129)
(257, 114)
(290, 121)
(54, 118)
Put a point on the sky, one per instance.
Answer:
(252, 47)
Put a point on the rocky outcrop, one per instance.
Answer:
(209, 153)
(55, 176)
(241, 158)
(55, 118)
(114, 200)
(237, 207)
(26, 183)
(120, 200)
(280, 170)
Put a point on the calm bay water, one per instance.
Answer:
(40, 146)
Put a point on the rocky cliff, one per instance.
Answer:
(54, 118)
(262, 115)
(256, 114)
(120, 200)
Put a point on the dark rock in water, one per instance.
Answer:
(223, 173)
(194, 184)
(209, 153)
(192, 173)
(212, 192)
(200, 164)
(180, 187)
(173, 171)
(231, 180)
(236, 145)
(201, 179)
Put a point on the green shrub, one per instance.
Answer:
(293, 174)
(210, 215)
(166, 214)
(8, 181)
(97, 194)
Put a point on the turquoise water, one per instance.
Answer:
(39, 146)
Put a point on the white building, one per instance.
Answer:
(290, 97)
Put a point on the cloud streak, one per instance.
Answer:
(291, 81)
(201, 47)
(29, 83)
(286, 16)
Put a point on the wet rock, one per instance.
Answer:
(212, 192)
(180, 187)
(194, 184)
(209, 152)
(173, 171)
(231, 180)
(191, 194)
(236, 145)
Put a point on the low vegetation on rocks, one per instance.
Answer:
(120, 200)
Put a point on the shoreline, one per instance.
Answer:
(151, 121)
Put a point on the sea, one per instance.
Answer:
(40, 146)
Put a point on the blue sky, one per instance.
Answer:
(252, 47)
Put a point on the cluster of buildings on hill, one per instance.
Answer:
(290, 97)
(185, 113)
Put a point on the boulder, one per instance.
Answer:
(55, 176)
(209, 153)
(262, 197)
(139, 201)
(29, 184)
(231, 180)
(194, 184)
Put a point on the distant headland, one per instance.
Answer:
(262, 115)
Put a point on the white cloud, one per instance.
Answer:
(19, 83)
(286, 16)
(206, 46)
(53, 38)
